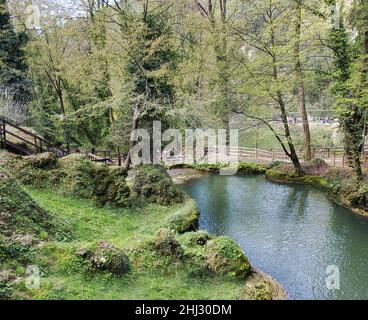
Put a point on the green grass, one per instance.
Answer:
(65, 277)
(322, 136)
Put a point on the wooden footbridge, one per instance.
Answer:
(24, 142)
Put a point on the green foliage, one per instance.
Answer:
(13, 68)
(153, 183)
(194, 244)
(116, 191)
(6, 288)
(259, 291)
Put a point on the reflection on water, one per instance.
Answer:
(291, 232)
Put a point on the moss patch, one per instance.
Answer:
(152, 183)
(225, 257)
(185, 219)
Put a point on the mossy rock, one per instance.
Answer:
(194, 245)
(193, 239)
(226, 258)
(78, 176)
(258, 291)
(153, 183)
(167, 244)
(185, 219)
(251, 168)
(106, 257)
(111, 187)
(45, 160)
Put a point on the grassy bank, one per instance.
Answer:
(65, 276)
(94, 237)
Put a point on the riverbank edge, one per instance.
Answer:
(271, 174)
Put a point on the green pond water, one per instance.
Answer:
(293, 233)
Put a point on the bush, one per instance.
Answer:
(153, 183)
(225, 257)
(317, 167)
(258, 291)
(105, 257)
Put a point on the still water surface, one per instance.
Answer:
(292, 233)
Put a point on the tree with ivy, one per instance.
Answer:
(350, 80)
(149, 65)
(13, 67)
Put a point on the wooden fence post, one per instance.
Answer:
(4, 132)
(119, 157)
(343, 160)
(35, 143)
(334, 158)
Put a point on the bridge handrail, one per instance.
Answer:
(47, 143)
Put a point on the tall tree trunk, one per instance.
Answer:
(300, 84)
(292, 154)
(63, 111)
(136, 118)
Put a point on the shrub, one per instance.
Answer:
(225, 257)
(153, 183)
(317, 167)
(260, 290)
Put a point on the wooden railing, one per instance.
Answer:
(31, 143)
(335, 157)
